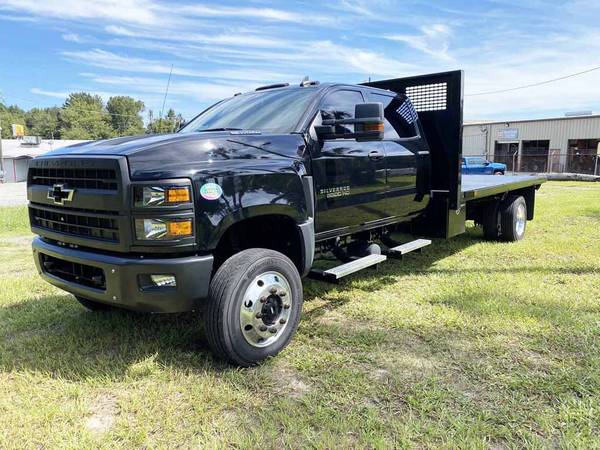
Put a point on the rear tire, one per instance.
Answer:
(490, 221)
(254, 305)
(92, 305)
(513, 218)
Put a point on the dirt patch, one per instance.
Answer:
(19, 241)
(103, 413)
(289, 382)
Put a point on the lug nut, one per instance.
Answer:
(273, 290)
(281, 321)
(263, 328)
(258, 316)
(272, 330)
(263, 299)
(282, 294)
(286, 306)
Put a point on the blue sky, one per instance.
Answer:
(52, 47)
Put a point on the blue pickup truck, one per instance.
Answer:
(477, 165)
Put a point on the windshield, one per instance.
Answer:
(277, 111)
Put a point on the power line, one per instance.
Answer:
(535, 84)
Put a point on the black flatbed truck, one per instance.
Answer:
(226, 215)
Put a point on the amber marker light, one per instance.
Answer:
(180, 227)
(178, 195)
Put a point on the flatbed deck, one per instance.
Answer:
(480, 186)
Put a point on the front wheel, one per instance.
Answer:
(254, 305)
(498, 172)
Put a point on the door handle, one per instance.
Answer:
(375, 155)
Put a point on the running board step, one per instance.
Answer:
(401, 250)
(335, 273)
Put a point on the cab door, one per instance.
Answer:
(407, 156)
(349, 176)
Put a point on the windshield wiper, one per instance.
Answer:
(219, 129)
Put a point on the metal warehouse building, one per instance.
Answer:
(564, 144)
(16, 154)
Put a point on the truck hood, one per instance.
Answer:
(183, 154)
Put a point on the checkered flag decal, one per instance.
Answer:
(407, 111)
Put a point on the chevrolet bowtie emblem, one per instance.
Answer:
(60, 194)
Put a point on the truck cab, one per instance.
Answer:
(228, 214)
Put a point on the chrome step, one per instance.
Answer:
(335, 273)
(401, 250)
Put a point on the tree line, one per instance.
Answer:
(85, 116)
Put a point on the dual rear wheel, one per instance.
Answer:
(506, 220)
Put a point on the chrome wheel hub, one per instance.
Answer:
(521, 219)
(265, 310)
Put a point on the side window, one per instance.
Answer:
(340, 105)
(400, 116)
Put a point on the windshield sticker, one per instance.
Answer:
(211, 191)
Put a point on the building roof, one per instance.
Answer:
(546, 119)
(14, 148)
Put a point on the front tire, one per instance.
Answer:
(498, 172)
(254, 306)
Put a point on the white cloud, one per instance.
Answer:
(200, 91)
(130, 11)
(185, 35)
(55, 94)
(433, 40)
(72, 37)
(223, 49)
(109, 60)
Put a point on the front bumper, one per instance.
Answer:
(121, 278)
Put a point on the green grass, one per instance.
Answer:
(14, 221)
(472, 345)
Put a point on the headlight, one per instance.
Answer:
(163, 229)
(152, 196)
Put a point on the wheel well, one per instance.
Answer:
(275, 232)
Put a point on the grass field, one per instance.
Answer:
(472, 345)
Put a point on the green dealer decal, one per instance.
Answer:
(211, 191)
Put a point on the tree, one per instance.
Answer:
(8, 116)
(169, 124)
(125, 116)
(43, 122)
(83, 117)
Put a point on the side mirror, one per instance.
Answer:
(181, 125)
(368, 124)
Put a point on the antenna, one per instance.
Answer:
(166, 92)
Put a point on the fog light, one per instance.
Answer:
(161, 280)
(157, 281)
